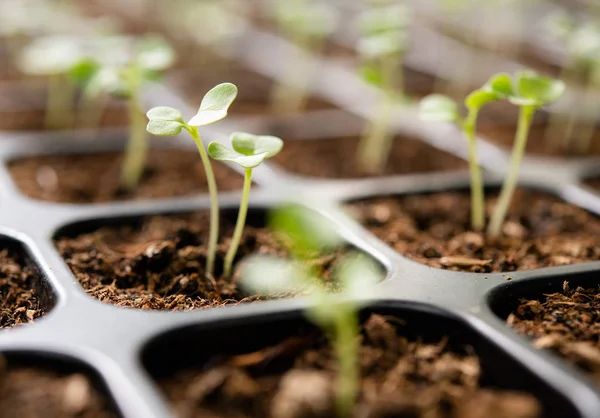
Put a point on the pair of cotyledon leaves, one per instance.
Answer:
(248, 151)
(526, 88)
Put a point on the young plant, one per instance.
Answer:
(439, 108)
(308, 236)
(305, 23)
(249, 151)
(166, 121)
(381, 48)
(530, 92)
(53, 57)
(121, 67)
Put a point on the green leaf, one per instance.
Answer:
(83, 71)
(269, 274)
(164, 127)
(306, 232)
(538, 89)
(215, 104)
(220, 152)
(438, 108)
(480, 98)
(371, 74)
(154, 53)
(382, 44)
(165, 113)
(500, 84)
(248, 144)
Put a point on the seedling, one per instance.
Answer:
(305, 23)
(167, 121)
(53, 57)
(381, 49)
(530, 92)
(309, 235)
(439, 108)
(249, 151)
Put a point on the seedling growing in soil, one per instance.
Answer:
(530, 92)
(53, 57)
(439, 108)
(249, 151)
(308, 235)
(166, 121)
(121, 67)
(381, 49)
(305, 23)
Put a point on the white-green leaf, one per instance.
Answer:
(382, 44)
(215, 105)
(359, 276)
(269, 274)
(164, 127)
(220, 152)
(248, 144)
(155, 53)
(438, 108)
(165, 113)
(538, 88)
(50, 55)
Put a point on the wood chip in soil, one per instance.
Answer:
(19, 302)
(541, 231)
(94, 178)
(567, 323)
(336, 158)
(538, 143)
(36, 393)
(399, 378)
(160, 262)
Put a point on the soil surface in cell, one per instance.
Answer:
(336, 158)
(160, 262)
(567, 323)
(19, 302)
(434, 229)
(594, 183)
(539, 143)
(35, 393)
(296, 378)
(94, 178)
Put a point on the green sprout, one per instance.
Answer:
(582, 42)
(167, 121)
(54, 57)
(121, 66)
(309, 235)
(439, 108)
(381, 48)
(249, 151)
(305, 23)
(529, 91)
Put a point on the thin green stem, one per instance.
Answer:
(477, 194)
(346, 349)
(92, 109)
(137, 145)
(59, 103)
(214, 201)
(510, 183)
(239, 226)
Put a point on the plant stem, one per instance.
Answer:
(510, 183)
(137, 145)
(375, 145)
(346, 349)
(477, 194)
(214, 201)
(239, 225)
(92, 109)
(58, 107)
(587, 125)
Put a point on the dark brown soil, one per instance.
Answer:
(336, 158)
(295, 379)
(34, 393)
(593, 183)
(541, 231)
(538, 143)
(567, 323)
(33, 119)
(160, 262)
(19, 302)
(94, 178)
